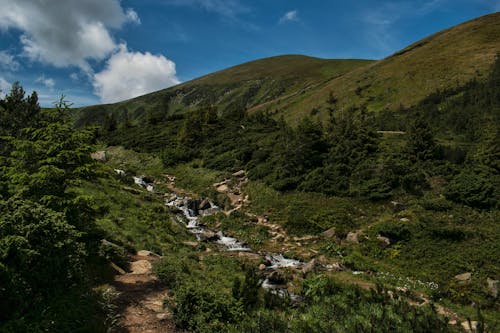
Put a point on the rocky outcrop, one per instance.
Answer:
(464, 277)
(99, 156)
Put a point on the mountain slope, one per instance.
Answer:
(444, 60)
(294, 86)
(233, 89)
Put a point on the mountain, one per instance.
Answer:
(294, 86)
(240, 87)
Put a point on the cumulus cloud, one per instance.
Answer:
(47, 82)
(4, 87)
(8, 62)
(291, 16)
(130, 74)
(65, 33)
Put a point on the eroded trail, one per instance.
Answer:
(140, 299)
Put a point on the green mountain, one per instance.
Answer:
(294, 86)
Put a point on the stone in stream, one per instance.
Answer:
(207, 236)
(309, 267)
(204, 204)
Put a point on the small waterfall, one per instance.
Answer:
(232, 244)
(278, 261)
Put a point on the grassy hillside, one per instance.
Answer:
(294, 86)
(234, 89)
(444, 60)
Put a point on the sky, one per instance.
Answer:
(104, 51)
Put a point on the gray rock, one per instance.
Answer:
(99, 156)
(330, 233)
(383, 242)
(464, 277)
(204, 204)
(492, 287)
(240, 174)
(309, 267)
(209, 211)
(222, 188)
(276, 278)
(354, 237)
(145, 253)
(207, 236)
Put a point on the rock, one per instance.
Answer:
(141, 267)
(192, 244)
(222, 188)
(398, 206)
(336, 267)
(464, 277)
(120, 172)
(309, 267)
(240, 174)
(383, 242)
(262, 267)
(276, 278)
(404, 219)
(330, 233)
(145, 253)
(162, 316)
(469, 327)
(452, 322)
(492, 287)
(249, 255)
(267, 262)
(207, 236)
(204, 204)
(354, 236)
(209, 211)
(117, 268)
(99, 156)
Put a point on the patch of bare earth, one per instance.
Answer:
(140, 300)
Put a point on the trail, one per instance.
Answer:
(140, 300)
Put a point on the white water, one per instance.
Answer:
(278, 261)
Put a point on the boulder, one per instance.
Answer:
(276, 278)
(191, 244)
(99, 156)
(464, 277)
(222, 188)
(309, 267)
(469, 326)
(145, 253)
(404, 219)
(240, 174)
(492, 287)
(330, 233)
(204, 204)
(209, 211)
(262, 267)
(383, 242)
(141, 267)
(354, 237)
(207, 236)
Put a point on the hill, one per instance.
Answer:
(294, 86)
(240, 87)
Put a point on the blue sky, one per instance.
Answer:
(102, 51)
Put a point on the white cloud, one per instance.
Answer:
(8, 62)
(74, 76)
(132, 16)
(291, 16)
(47, 82)
(65, 33)
(4, 87)
(131, 74)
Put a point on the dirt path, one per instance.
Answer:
(140, 300)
